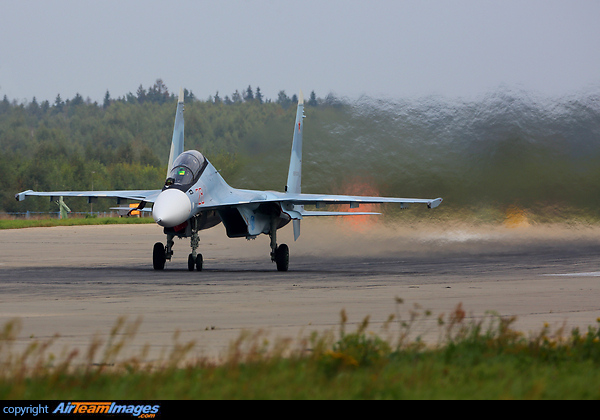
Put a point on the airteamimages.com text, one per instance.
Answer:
(95, 407)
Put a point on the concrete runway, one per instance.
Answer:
(76, 281)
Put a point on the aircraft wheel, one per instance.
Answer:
(191, 262)
(158, 256)
(282, 257)
(199, 262)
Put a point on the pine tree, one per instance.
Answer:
(283, 99)
(58, 104)
(158, 93)
(106, 100)
(312, 101)
(236, 97)
(141, 94)
(77, 100)
(45, 106)
(34, 107)
(188, 96)
(249, 96)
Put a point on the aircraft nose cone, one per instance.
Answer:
(171, 208)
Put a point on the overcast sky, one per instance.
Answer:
(381, 48)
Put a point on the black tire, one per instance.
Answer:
(282, 257)
(199, 262)
(158, 256)
(191, 262)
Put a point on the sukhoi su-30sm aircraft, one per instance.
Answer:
(196, 197)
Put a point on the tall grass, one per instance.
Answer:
(474, 358)
(26, 223)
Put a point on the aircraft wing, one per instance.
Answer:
(142, 195)
(289, 200)
(353, 200)
(306, 213)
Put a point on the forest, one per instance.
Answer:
(123, 143)
(505, 148)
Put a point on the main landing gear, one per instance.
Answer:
(160, 253)
(280, 255)
(158, 256)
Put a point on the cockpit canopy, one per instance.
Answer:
(187, 169)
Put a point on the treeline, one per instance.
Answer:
(123, 143)
(506, 149)
(159, 94)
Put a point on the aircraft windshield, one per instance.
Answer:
(187, 168)
(182, 175)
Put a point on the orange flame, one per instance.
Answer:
(365, 187)
(516, 218)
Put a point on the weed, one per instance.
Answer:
(475, 358)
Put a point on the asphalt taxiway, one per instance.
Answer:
(77, 281)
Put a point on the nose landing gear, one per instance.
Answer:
(161, 253)
(194, 259)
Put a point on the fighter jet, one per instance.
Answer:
(196, 197)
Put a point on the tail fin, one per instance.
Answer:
(295, 171)
(177, 141)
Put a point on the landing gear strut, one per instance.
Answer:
(195, 259)
(279, 254)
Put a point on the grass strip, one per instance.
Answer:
(29, 223)
(477, 359)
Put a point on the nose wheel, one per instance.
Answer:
(195, 262)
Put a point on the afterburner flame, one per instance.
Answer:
(366, 187)
(516, 218)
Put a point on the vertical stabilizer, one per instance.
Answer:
(177, 141)
(295, 171)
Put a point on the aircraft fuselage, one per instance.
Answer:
(182, 203)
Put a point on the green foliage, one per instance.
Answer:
(477, 359)
(72, 221)
(483, 157)
(123, 144)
